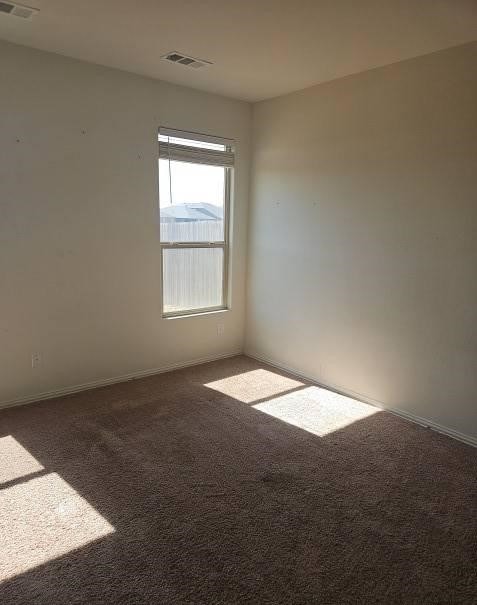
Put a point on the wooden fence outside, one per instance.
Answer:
(192, 277)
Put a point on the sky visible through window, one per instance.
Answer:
(190, 183)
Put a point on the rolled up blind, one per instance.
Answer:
(195, 155)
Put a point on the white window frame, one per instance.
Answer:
(224, 244)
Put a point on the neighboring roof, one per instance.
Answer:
(192, 212)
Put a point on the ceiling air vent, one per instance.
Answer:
(181, 59)
(17, 10)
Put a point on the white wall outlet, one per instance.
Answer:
(35, 360)
(220, 329)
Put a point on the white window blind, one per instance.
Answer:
(212, 151)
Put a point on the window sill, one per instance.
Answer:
(195, 313)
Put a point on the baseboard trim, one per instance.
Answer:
(115, 380)
(469, 440)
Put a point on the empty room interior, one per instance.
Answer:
(238, 302)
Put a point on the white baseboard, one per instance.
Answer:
(272, 362)
(469, 440)
(116, 379)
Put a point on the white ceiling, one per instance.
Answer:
(260, 48)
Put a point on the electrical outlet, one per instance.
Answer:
(35, 360)
(220, 329)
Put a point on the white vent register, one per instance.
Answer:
(17, 10)
(181, 59)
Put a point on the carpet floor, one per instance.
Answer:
(231, 482)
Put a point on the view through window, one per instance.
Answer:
(194, 194)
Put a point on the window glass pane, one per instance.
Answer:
(192, 278)
(191, 202)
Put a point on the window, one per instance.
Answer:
(194, 202)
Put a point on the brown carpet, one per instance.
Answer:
(176, 489)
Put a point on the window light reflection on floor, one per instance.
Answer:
(253, 385)
(41, 516)
(316, 410)
(311, 408)
(15, 461)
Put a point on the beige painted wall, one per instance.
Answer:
(363, 235)
(79, 246)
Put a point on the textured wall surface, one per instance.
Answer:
(363, 247)
(79, 223)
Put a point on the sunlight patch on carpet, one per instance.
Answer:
(15, 460)
(317, 410)
(254, 385)
(41, 519)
